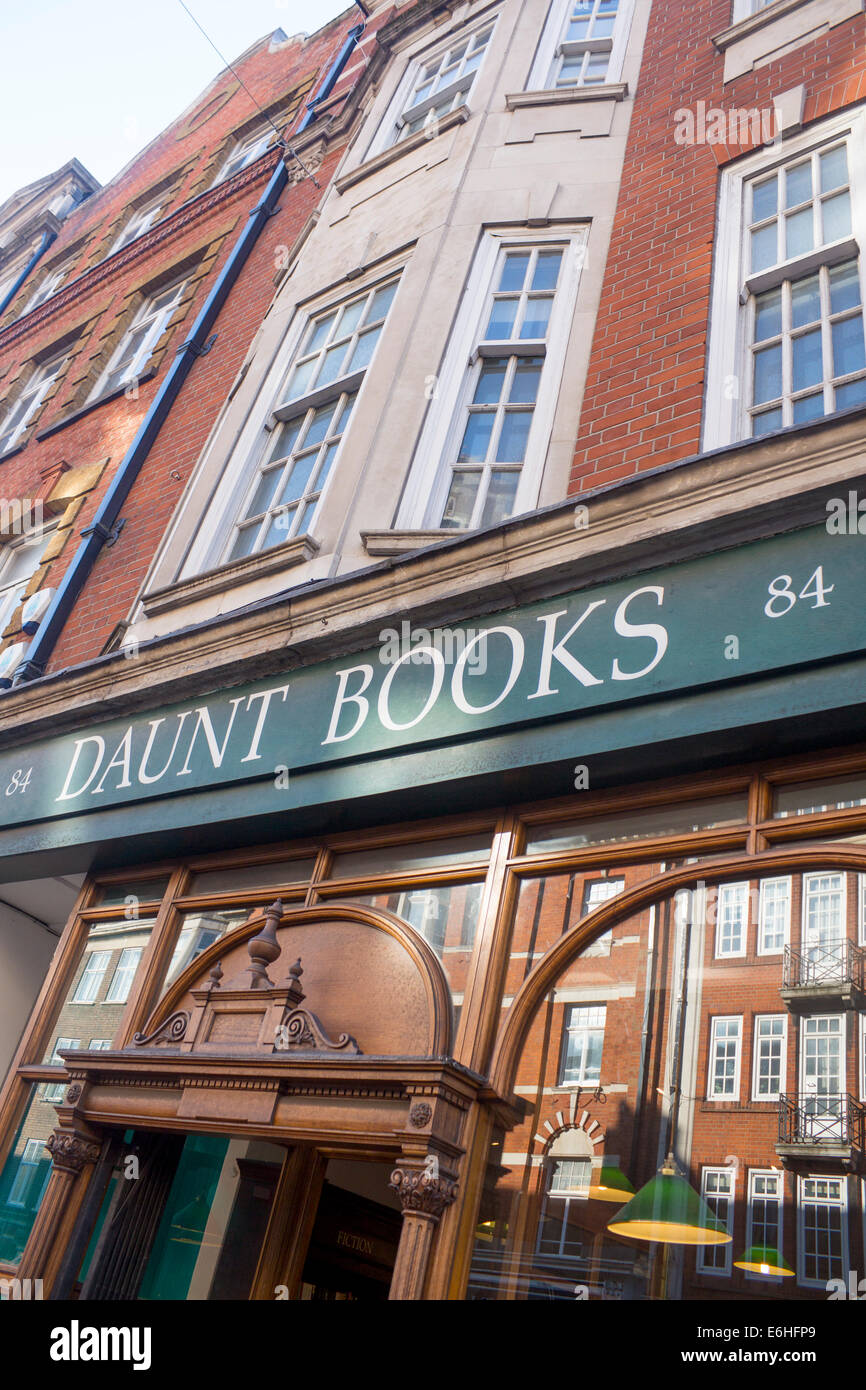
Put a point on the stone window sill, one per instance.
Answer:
(217, 581)
(395, 152)
(753, 22)
(402, 542)
(566, 96)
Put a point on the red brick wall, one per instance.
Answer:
(644, 391)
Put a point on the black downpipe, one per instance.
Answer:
(47, 239)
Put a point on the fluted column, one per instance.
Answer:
(424, 1194)
(72, 1151)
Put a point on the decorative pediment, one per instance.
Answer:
(375, 987)
(251, 1013)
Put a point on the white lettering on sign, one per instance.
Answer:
(88, 759)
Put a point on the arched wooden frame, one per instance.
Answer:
(436, 988)
(545, 974)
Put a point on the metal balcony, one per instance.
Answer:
(824, 1128)
(831, 975)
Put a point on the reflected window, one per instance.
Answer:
(121, 980)
(717, 1190)
(584, 1039)
(823, 1231)
(725, 1041)
(764, 1223)
(732, 920)
(198, 931)
(774, 916)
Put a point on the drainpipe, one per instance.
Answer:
(334, 70)
(47, 239)
(101, 529)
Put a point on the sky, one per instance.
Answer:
(98, 79)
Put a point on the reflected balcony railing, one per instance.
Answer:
(837, 1119)
(812, 967)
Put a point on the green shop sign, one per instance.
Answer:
(769, 607)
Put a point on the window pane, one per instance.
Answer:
(848, 354)
(244, 542)
(768, 374)
(502, 317)
(318, 426)
(298, 478)
(805, 301)
(767, 421)
(834, 168)
(267, 486)
(836, 212)
(332, 365)
(799, 233)
(764, 251)
(804, 798)
(798, 184)
(425, 854)
(524, 386)
(808, 408)
(490, 381)
(300, 379)
(844, 287)
(768, 315)
(324, 469)
(596, 68)
(476, 437)
(637, 825)
(851, 394)
(381, 302)
(546, 270)
(460, 500)
(764, 199)
(807, 362)
(537, 318)
(499, 502)
(277, 530)
(513, 436)
(351, 317)
(199, 930)
(25, 1176)
(364, 350)
(319, 332)
(514, 270)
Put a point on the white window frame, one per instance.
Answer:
(744, 9)
(808, 880)
(47, 287)
(388, 132)
(842, 1203)
(861, 909)
(728, 389)
(238, 477)
(430, 472)
(102, 959)
(763, 948)
(124, 975)
(541, 75)
(55, 1089)
(727, 1175)
(139, 222)
(596, 892)
(777, 1177)
(783, 1058)
(251, 147)
(584, 1029)
(156, 312)
(861, 1069)
(38, 384)
(100, 1044)
(714, 1056)
(738, 895)
(12, 590)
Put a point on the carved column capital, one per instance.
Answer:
(423, 1192)
(71, 1151)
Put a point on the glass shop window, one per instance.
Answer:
(808, 798)
(675, 819)
(25, 1175)
(463, 849)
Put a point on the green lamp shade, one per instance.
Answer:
(668, 1210)
(611, 1185)
(764, 1259)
